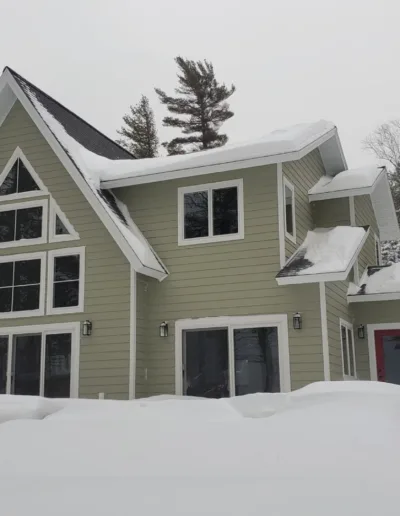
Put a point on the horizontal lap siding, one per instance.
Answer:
(104, 363)
(141, 332)
(331, 213)
(220, 279)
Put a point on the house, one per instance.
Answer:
(252, 267)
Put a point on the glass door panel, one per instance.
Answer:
(26, 365)
(206, 369)
(387, 343)
(256, 360)
(58, 365)
(3, 364)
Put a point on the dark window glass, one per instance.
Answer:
(66, 268)
(3, 364)
(196, 214)
(391, 355)
(6, 274)
(27, 272)
(225, 211)
(9, 185)
(7, 226)
(206, 371)
(289, 210)
(256, 360)
(26, 298)
(26, 365)
(344, 350)
(5, 299)
(29, 223)
(351, 354)
(25, 180)
(60, 227)
(66, 294)
(58, 366)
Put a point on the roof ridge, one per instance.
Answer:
(30, 84)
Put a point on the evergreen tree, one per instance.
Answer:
(140, 133)
(202, 102)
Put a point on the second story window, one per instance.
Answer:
(348, 351)
(290, 215)
(378, 252)
(211, 212)
(23, 224)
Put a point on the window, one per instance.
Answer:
(348, 351)
(60, 228)
(378, 252)
(211, 213)
(290, 216)
(22, 285)
(66, 280)
(23, 224)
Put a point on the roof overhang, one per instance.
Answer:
(328, 144)
(365, 298)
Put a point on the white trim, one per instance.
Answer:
(281, 215)
(364, 298)
(209, 187)
(18, 153)
(191, 171)
(348, 326)
(230, 323)
(133, 333)
(351, 192)
(371, 328)
(48, 329)
(43, 203)
(68, 251)
(54, 211)
(327, 276)
(352, 213)
(288, 184)
(324, 330)
(378, 243)
(22, 257)
(99, 209)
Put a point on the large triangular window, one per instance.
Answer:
(60, 228)
(19, 180)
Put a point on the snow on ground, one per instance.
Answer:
(329, 449)
(364, 177)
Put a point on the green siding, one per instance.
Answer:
(331, 213)
(365, 217)
(216, 279)
(142, 286)
(104, 360)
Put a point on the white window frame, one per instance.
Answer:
(43, 203)
(209, 187)
(54, 211)
(54, 253)
(28, 256)
(288, 184)
(378, 243)
(24, 195)
(349, 327)
(230, 324)
(44, 330)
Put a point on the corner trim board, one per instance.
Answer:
(281, 215)
(324, 330)
(132, 336)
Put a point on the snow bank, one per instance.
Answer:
(364, 177)
(333, 450)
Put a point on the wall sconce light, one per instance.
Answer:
(361, 331)
(164, 329)
(87, 328)
(297, 321)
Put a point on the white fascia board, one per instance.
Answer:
(363, 298)
(101, 212)
(353, 192)
(221, 167)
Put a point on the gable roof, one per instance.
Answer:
(291, 143)
(77, 143)
(327, 254)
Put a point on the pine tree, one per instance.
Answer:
(140, 133)
(202, 102)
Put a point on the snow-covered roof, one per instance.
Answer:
(282, 145)
(378, 283)
(91, 152)
(326, 450)
(327, 254)
(357, 181)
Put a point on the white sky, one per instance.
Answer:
(291, 60)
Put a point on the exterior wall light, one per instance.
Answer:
(87, 328)
(361, 331)
(297, 321)
(164, 329)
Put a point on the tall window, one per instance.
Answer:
(23, 224)
(348, 351)
(378, 252)
(211, 213)
(289, 204)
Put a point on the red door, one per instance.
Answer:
(387, 348)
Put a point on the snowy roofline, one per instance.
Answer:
(378, 283)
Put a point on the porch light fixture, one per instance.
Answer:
(164, 329)
(297, 321)
(361, 331)
(87, 328)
